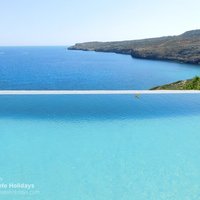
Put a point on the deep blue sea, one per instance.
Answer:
(58, 68)
(96, 147)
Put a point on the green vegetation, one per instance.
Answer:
(192, 84)
(183, 48)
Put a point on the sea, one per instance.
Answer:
(54, 68)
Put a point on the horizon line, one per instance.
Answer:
(34, 45)
(85, 41)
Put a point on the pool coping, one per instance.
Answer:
(95, 92)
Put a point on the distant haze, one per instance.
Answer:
(65, 22)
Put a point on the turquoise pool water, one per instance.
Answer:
(100, 147)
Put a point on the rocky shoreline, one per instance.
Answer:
(184, 48)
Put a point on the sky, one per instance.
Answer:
(65, 22)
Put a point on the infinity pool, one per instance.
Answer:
(100, 147)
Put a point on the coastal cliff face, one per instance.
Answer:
(184, 48)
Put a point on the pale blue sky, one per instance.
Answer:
(64, 22)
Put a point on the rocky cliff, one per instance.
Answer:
(183, 48)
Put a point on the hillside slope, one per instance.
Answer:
(192, 84)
